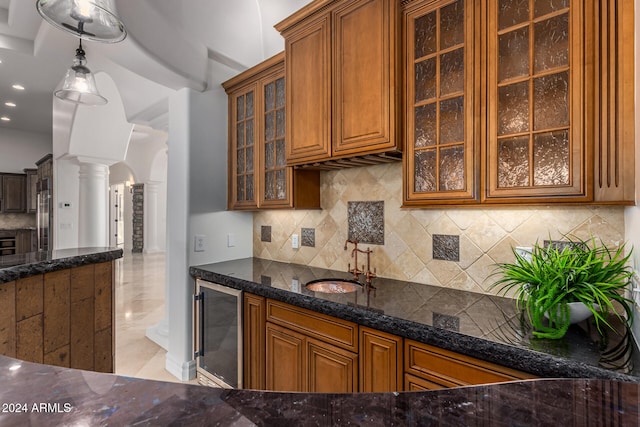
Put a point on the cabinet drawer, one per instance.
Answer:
(448, 368)
(335, 331)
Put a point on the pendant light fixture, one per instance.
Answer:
(79, 84)
(94, 20)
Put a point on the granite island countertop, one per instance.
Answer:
(42, 395)
(487, 327)
(13, 267)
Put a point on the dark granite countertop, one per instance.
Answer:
(13, 267)
(487, 327)
(41, 395)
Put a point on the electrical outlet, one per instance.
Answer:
(295, 241)
(231, 240)
(199, 242)
(295, 285)
(524, 251)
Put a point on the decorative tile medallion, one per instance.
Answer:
(265, 233)
(366, 222)
(446, 247)
(444, 321)
(309, 237)
(265, 280)
(561, 244)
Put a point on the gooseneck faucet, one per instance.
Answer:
(368, 274)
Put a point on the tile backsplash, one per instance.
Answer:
(485, 235)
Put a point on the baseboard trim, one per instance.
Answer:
(183, 370)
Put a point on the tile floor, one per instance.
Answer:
(139, 303)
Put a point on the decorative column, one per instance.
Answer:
(151, 217)
(138, 218)
(93, 212)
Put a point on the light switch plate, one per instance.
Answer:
(231, 240)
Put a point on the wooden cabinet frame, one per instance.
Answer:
(343, 82)
(302, 186)
(601, 109)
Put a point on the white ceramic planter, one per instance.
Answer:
(578, 312)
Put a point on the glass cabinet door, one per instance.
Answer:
(275, 171)
(245, 155)
(534, 98)
(440, 159)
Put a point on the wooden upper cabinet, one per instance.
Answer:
(518, 102)
(537, 99)
(342, 79)
(364, 54)
(614, 123)
(308, 82)
(13, 193)
(243, 154)
(259, 177)
(442, 101)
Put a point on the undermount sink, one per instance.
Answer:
(333, 286)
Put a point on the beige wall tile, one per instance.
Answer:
(486, 234)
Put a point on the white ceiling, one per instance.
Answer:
(170, 45)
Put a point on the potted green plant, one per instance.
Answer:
(555, 276)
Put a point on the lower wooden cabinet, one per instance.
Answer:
(440, 368)
(330, 369)
(380, 361)
(285, 361)
(61, 318)
(309, 351)
(413, 383)
(254, 343)
(288, 348)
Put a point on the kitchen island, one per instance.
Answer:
(56, 307)
(486, 328)
(35, 394)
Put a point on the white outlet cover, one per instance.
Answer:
(199, 242)
(295, 241)
(525, 252)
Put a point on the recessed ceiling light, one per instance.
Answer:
(10, 104)
(5, 119)
(18, 87)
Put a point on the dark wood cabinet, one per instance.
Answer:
(13, 193)
(31, 188)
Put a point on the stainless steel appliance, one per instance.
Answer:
(43, 214)
(218, 335)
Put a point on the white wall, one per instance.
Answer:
(21, 150)
(196, 199)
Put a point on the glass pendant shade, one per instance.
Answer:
(94, 20)
(79, 84)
